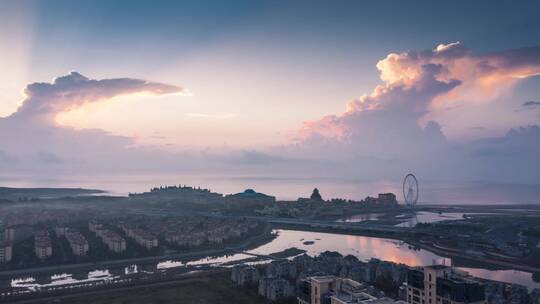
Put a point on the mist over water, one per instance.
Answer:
(431, 192)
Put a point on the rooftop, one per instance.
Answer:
(438, 267)
(353, 298)
(323, 279)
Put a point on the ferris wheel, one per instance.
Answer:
(410, 190)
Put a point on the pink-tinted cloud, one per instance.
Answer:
(416, 83)
(44, 100)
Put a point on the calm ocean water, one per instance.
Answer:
(291, 188)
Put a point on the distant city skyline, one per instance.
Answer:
(363, 90)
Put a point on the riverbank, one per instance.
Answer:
(413, 239)
(482, 260)
(216, 284)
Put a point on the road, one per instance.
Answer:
(121, 285)
(28, 272)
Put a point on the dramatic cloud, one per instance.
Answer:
(480, 77)
(32, 141)
(419, 82)
(45, 100)
(382, 134)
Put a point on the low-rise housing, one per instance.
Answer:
(94, 225)
(244, 275)
(143, 238)
(275, 288)
(42, 244)
(77, 242)
(114, 241)
(387, 199)
(60, 230)
(6, 252)
(17, 233)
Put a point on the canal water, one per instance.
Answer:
(365, 248)
(314, 243)
(411, 219)
(430, 217)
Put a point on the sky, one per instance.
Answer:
(330, 89)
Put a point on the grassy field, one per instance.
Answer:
(200, 289)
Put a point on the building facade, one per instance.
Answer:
(336, 290)
(440, 284)
(143, 238)
(42, 245)
(6, 252)
(275, 288)
(18, 233)
(77, 242)
(244, 275)
(114, 241)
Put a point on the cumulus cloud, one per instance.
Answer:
(45, 100)
(379, 136)
(32, 138)
(480, 77)
(394, 129)
(416, 83)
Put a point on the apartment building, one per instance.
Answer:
(6, 252)
(275, 288)
(335, 290)
(114, 241)
(77, 242)
(42, 244)
(17, 233)
(143, 238)
(60, 230)
(440, 284)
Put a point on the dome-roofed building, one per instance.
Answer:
(250, 197)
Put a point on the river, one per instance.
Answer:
(365, 248)
(314, 243)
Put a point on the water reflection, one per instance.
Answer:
(429, 217)
(364, 248)
(361, 218)
(292, 188)
(511, 276)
